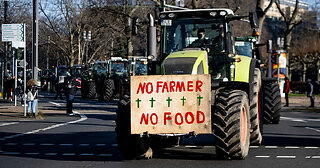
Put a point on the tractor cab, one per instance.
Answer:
(198, 40)
(117, 66)
(245, 46)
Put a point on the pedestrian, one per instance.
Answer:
(286, 89)
(32, 100)
(58, 88)
(7, 88)
(310, 92)
(70, 91)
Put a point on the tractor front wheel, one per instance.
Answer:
(131, 146)
(231, 124)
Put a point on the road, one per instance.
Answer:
(88, 140)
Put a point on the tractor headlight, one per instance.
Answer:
(223, 13)
(213, 14)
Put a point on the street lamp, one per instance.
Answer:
(87, 38)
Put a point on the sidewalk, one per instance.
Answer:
(301, 104)
(9, 112)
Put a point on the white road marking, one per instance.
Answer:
(68, 154)
(292, 147)
(254, 147)
(286, 157)
(105, 154)
(11, 153)
(11, 144)
(50, 154)
(271, 147)
(262, 156)
(311, 147)
(100, 144)
(293, 119)
(29, 144)
(66, 144)
(54, 103)
(318, 130)
(86, 154)
(315, 157)
(114, 145)
(190, 146)
(32, 153)
(82, 118)
(84, 144)
(10, 123)
(46, 144)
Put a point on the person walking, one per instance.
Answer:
(58, 87)
(286, 89)
(70, 91)
(32, 100)
(310, 92)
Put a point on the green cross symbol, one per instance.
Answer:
(199, 97)
(138, 102)
(152, 100)
(183, 99)
(169, 100)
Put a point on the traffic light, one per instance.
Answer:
(274, 58)
(19, 54)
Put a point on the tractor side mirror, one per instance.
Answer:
(253, 20)
(135, 25)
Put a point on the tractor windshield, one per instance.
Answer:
(100, 68)
(193, 33)
(118, 67)
(141, 68)
(244, 48)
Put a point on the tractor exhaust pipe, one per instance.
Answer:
(152, 39)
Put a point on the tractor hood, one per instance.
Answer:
(185, 62)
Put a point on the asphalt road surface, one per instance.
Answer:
(88, 140)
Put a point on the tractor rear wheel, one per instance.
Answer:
(232, 124)
(91, 89)
(131, 146)
(272, 103)
(108, 88)
(255, 110)
(84, 89)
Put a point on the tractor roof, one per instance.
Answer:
(218, 10)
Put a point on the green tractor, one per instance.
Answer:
(88, 83)
(271, 93)
(103, 79)
(195, 44)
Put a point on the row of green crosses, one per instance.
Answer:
(183, 99)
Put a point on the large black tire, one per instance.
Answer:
(231, 124)
(131, 146)
(84, 85)
(255, 109)
(107, 89)
(272, 103)
(91, 89)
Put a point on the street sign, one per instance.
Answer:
(13, 33)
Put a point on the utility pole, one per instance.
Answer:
(35, 26)
(48, 45)
(35, 32)
(6, 43)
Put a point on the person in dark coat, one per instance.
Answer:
(7, 88)
(286, 89)
(70, 91)
(310, 92)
